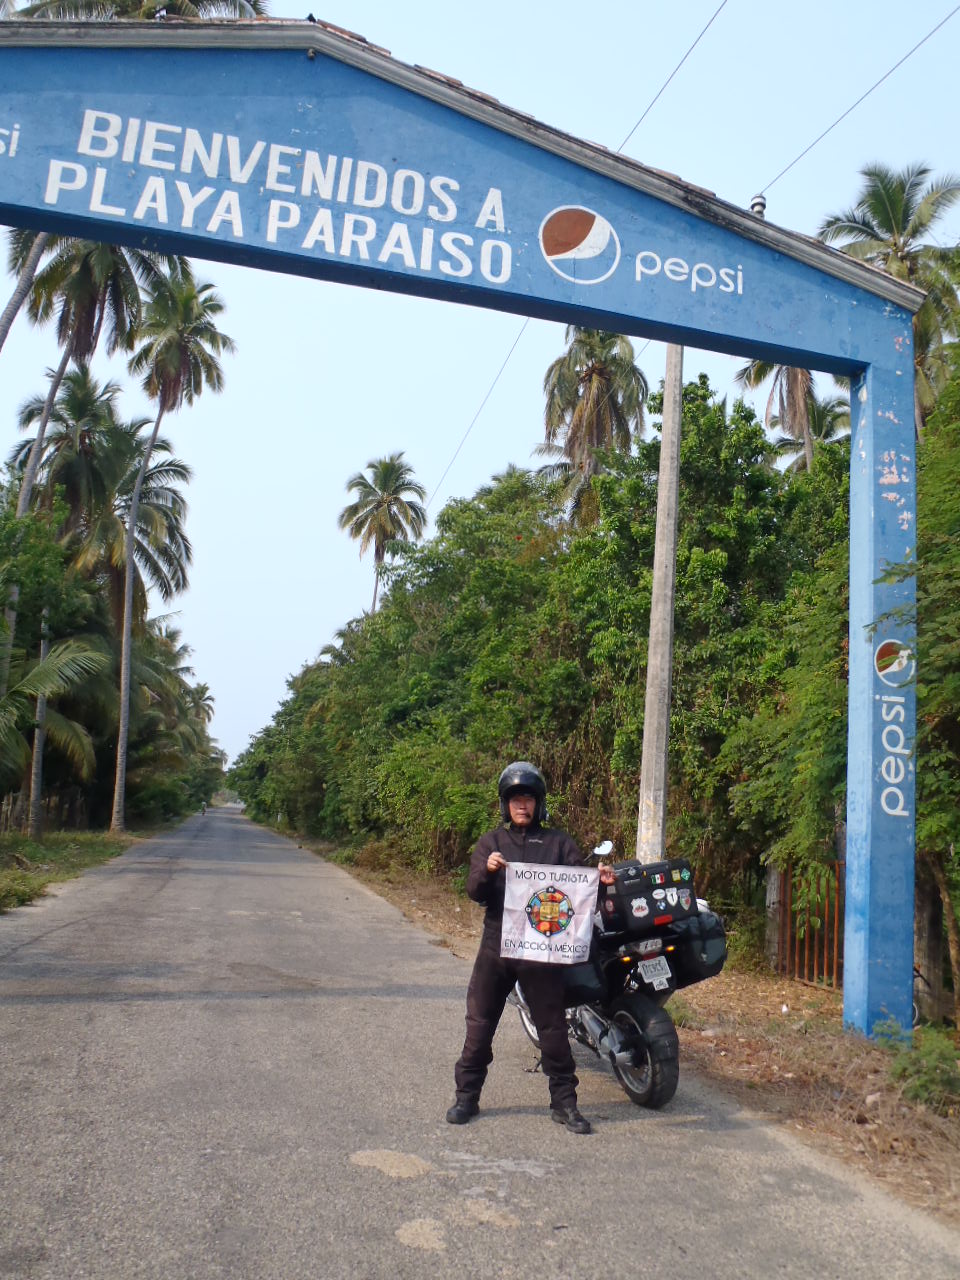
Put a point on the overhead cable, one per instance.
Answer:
(863, 96)
(670, 77)
(513, 347)
(478, 413)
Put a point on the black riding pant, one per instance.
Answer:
(491, 982)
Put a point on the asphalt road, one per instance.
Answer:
(222, 1057)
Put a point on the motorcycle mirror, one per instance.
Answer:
(601, 850)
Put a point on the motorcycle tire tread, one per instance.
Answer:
(663, 1050)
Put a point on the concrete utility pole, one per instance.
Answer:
(652, 820)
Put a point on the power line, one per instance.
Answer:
(670, 77)
(885, 76)
(478, 413)
(513, 347)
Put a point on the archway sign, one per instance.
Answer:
(300, 148)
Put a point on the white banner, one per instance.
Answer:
(548, 912)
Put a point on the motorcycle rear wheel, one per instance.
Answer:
(651, 1081)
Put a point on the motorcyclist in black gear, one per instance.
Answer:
(522, 837)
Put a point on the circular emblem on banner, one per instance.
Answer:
(579, 244)
(549, 911)
(894, 663)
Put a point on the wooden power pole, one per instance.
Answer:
(652, 820)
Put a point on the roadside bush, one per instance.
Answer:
(430, 796)
(929, 1069)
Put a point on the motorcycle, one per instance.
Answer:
(652, 936)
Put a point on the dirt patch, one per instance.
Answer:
(779, 1047)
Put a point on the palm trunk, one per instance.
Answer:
(798, 412)
(22, 288)
(36, 449)
(927, 942)
(39, 737)
(953, 929)
(918, 414)
(123, 728)
(378, 558)
(23, 506)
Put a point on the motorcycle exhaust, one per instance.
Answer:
(608, 1040)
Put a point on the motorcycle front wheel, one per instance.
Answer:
(651, 1079)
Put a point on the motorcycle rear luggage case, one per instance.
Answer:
(646, 896)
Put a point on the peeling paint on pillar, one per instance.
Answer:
(878, 940)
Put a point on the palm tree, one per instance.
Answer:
(788, 402)
(64, 666)
(93, 460)
(23, 264)
(886, 227)
(201, 702)
(81, 420)
(87, 285)
(383, 511)
(595, 394)
(827, 420)
(180, 343)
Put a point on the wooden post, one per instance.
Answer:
(652, 818)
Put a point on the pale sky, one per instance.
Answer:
(327, 377)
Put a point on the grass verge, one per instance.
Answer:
(27, 867)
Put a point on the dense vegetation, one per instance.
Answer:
(512, 632)
(99, 717)
(521, 627)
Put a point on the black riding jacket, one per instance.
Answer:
(517, 844)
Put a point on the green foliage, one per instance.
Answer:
(928, 1068)
(746, 936)
(513, 633)
(425, 797)
(26, 867)
(938, 608)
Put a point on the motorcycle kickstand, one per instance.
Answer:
(532, 1071)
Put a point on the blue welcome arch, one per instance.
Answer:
(303, 149)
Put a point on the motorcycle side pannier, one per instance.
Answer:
(701, 948)
(582, 983)
(645, 896)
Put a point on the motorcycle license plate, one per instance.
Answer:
(650, 970)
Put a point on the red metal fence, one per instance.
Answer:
(810, 938)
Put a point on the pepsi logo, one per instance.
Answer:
(579, 244)
(894, 663)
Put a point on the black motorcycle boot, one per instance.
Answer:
(464, 1108)
(572, 1118)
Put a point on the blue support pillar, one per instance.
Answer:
(878, 940)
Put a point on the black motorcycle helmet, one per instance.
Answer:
(523, 776)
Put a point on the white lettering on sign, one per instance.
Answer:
(8, 141)
(159, 145)
(296, 173)
(893, 769)
(153, 143)
(97, 203)
(276, 167)
(153, 199)
(191, 201)
(491, 210)
(701, 275)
